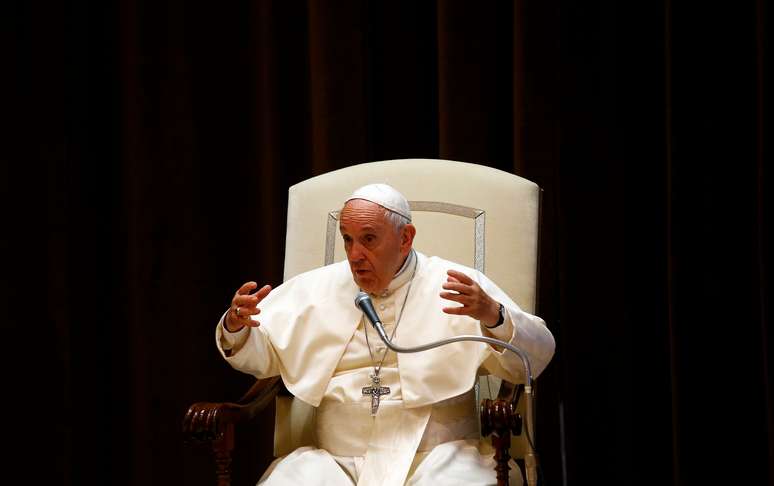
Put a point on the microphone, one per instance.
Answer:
(363, 301)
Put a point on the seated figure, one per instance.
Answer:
(382, 418)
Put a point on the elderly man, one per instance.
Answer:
(382, 418)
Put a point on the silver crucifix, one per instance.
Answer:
(376, 391)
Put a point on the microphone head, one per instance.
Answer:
(360, 297)
(363, 302)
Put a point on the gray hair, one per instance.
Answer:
(396, 220)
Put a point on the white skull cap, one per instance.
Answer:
(385, 196)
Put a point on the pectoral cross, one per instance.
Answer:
(376, 391)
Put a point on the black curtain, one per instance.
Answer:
(151, 144)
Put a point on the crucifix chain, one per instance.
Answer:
(375, 390)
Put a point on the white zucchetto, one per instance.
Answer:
(385, 196)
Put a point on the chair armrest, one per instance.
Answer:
(262, 389)
(207, 421)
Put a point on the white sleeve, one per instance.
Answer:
(525, 331)
(231, 341)
(503, 332)
(248, 350)
(529, 334)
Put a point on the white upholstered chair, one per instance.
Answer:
(475, 215)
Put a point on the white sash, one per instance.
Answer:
(390, 440)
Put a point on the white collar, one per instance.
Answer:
(403, 276)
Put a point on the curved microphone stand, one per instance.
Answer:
(363, 301)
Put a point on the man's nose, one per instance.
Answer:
(355, 253)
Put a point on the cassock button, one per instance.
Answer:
(381, 307)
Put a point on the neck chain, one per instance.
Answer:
(375, 390)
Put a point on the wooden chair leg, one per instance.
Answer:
(222, 449)
(502, 444)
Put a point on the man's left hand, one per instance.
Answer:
(475, 302)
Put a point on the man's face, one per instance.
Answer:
(375, 249)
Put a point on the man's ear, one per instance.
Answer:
(407, 237)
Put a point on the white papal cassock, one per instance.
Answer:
(425, 431)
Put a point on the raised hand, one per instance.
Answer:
(244, 305)
(475, 302)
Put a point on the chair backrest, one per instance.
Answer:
(475, 215)
(472, 214)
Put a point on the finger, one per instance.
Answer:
(461, 277)
(244, 301)
(246, 288)
(459, 311)
(243, 320)
(247, 311)
(252, 299)
(451, 279)
(461, 298)
(458, 287)
(262, 293)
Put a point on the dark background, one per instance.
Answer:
(149, 150)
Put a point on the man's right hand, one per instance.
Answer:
(244, 305)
